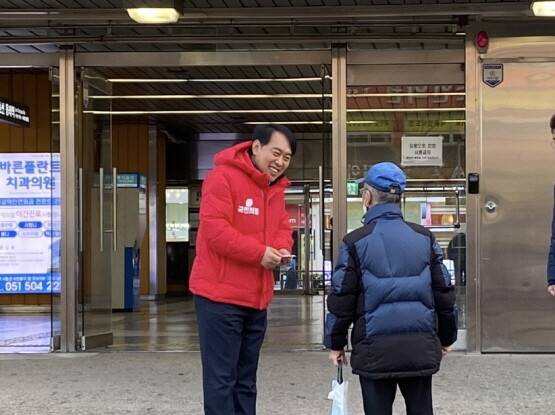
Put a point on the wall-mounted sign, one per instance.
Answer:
(353, 189)
(14, 114)
(297, 218)
(421, 151)
(30, 223)
(492, 74)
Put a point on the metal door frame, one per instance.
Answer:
(382, 67)
(165, 59)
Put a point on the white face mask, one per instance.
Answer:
(364, 209)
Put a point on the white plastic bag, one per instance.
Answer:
(338, 394)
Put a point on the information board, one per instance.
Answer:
(421, 151)
(30, 223)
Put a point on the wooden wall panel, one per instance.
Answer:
(16, 135)
(130, 154)
(44, 118)
(30, 135)
(5, 129)
(142, 162)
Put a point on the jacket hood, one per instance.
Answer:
(239, 156)
(383, 211)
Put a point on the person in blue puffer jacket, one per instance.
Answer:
(391, 284)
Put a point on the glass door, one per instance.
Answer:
(53, 226)
(29, 210)
(413, 115)
(97, 202)
(310, 219)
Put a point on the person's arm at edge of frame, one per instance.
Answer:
(551, 268)
(444, 300)
(551, 258)
(216, 215)
(342, 303)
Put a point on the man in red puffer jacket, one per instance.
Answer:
(244, 233)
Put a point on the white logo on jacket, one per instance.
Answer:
(248, 209)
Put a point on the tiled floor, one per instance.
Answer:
(25, 333)
(295, 322)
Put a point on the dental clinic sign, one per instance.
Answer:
(421, 151)
(30, 223)
(14, 114)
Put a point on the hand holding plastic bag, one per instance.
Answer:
(338, 394)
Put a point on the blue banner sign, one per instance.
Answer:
(30, 223)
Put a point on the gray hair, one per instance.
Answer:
(382, 197)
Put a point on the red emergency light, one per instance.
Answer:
(482, 40)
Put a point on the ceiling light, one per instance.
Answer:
(204, 112)
(152, 16)
(28, 13)
(287, 122)
(306, 122)
(267, 111)
(543, 8)
(156, 11)
(406, 94)
(215, 96)
(180, 80)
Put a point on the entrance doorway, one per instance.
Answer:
(409, 109)
(197, 111)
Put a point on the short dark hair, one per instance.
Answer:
(552, 122)
(263, 133)
(383, 197)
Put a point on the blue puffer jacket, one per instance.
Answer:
(391, 283)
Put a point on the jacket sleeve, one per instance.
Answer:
(551, 257)
(284, 234)
(444, 298)
(342, 301)
(216, 222)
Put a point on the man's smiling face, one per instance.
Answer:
(274, 157)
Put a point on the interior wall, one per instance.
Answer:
(130, 155)
(32, 90)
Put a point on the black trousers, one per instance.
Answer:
(230, 340)
(378, 395)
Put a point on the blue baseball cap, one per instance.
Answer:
(386, 177)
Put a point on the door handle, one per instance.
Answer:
(80, 214)
(321, 195)
(490, 205)
(101, 206)
(115, 208)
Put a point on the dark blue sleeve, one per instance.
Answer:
(551, 257)
(444, 298)
(342, 300)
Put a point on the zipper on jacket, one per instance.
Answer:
(265, 197)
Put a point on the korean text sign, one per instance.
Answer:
(30, 223)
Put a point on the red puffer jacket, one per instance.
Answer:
(240, 214)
